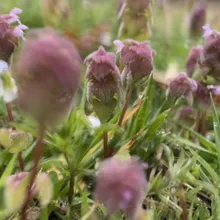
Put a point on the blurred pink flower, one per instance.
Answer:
(48, 74)
(120, 185)
(207, 30)
(193, 59)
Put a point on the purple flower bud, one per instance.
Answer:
(120, 185)
(137, 57)
(193, 59)
(209, 60)
(182, 85)
(202, 95)
(48, 74)
(197, 19)
(104, 82)
(9, 35)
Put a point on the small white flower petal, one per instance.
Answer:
(94, 121)
(10, 94)
(3, 66)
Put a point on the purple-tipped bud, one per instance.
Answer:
(120, 185)
(198, 19)
(48, 74)
(9, 35)
(193, 59)
(104, 82)
(210, 56)
(182, 85)
(136, 57)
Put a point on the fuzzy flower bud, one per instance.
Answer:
(104, 83)
(135, 19)
(182, 85)
(44, 188)
(15, 141)
(197, 19)
(136, 57)
(192, 60)
(15, 192)
(48, 74)
(120, 185)
(9, 35)
(210, 56)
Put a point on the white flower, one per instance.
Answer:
(8, 88)
(94, 121)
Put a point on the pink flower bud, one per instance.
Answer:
(210, 56)
(104, 83)
(197, 19)
(120, 185)
(193, 59)
(182, 85)
(137, 57)
(48, 74)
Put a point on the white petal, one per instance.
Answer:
(1, 88)
(10, 94)
(94, 121)
(3, 66)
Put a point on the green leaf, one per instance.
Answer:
(9, 169)
(216, 126)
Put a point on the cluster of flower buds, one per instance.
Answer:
(15, 190)
(48, 73)
(136, 58)
(9, 35)
(104, 83)
(121, 185)
(135, 19)
(197, 19)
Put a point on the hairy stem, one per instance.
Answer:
(11, 118)
(128, 98)
(183, 203)
(105, 145)
(36, 158)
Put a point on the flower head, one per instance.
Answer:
(197, 19)
(120, 184)
(182, 85)
(104, 83)
(202, 95)
(136, 57)
(209, 60)
(193, 59)
(48, 73)
(9, 35)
